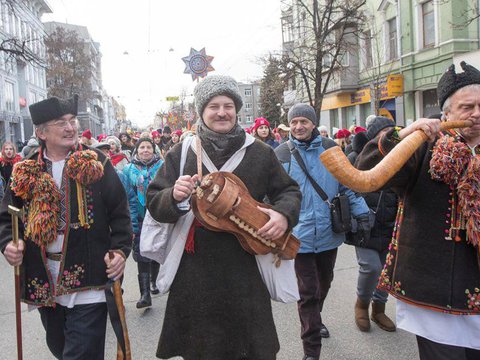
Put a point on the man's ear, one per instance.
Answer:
(39, 133)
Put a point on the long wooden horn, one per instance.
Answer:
(371, 180)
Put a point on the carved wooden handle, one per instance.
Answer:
(371, 180)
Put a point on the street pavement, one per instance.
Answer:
(346, 341)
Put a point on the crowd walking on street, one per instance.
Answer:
(88, 202)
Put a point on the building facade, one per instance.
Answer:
(402, 49)
(250, 93)
(22, 79)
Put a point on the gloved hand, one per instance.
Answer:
(363, 229)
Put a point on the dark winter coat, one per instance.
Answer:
(218, 306)
(83, 266)
(385, 210)
(425, 266)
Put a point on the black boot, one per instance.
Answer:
(154, 268)
(144, 284)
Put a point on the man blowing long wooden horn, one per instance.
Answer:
(433, 267)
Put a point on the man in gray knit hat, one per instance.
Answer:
(318, 251)
(218, 306)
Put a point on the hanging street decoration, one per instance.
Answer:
(198, 64)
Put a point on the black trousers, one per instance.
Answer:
(430, 350)
(314, 277)
(77, 333)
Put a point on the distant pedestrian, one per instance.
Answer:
(261, 131)
(8, 158)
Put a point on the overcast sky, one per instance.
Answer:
(143, 41)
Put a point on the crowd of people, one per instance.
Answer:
(86, 197)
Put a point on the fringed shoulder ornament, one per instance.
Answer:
(37, 188)
(454, 164)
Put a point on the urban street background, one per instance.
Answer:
(144, 326)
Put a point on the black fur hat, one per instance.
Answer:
(451, 81)
(53, 108)
(377, 125)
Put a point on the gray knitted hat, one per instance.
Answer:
(302, 110)
(216, 85)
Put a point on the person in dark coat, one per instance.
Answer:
(76, 212)
(433, 267)
(371, 254)
(218, 306)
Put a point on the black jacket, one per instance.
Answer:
(83, 266)
(426, 266)
(385, 207)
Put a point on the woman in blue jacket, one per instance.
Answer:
(140, 172)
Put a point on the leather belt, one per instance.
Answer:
(55, 256)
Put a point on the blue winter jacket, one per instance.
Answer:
(132, 200)
(314, 228)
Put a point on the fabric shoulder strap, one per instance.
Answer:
(298, 157)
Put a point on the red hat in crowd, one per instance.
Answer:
(155, 134)
(358, 129)
(248, 130)
(88, 134)
(343, 133)
(178, 132)
(259, 122)
(101, 137)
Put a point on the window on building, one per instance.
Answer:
(367, 50)
(248, 106)
(9, 96)
(248, 118)
(287, 28)
(392, 39)
(248, 92)
(428, 19)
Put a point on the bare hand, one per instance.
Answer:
(275, 227)
(14, 253)
(431, 127)
(184, 187)
(115, 266)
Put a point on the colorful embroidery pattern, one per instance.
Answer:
(473, 299)
(37, 290)
(70, 279)
(385, 280)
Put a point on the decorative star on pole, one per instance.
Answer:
(198, 64)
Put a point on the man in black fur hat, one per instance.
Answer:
(76, 212)
(218, 306)
(433, 267)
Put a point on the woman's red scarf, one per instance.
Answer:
(4, 161)
(116, 158)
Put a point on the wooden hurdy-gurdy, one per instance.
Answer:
(223, 203)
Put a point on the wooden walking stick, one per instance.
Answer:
(123, 344)
(16, 213)
(371, 180)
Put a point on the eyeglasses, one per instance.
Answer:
(64, 123)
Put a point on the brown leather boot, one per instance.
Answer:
(379, 317)
(361, 315)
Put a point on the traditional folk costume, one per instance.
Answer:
(218, 306)
(433, 265)
(75, 212)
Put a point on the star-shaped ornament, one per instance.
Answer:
(198, 63)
